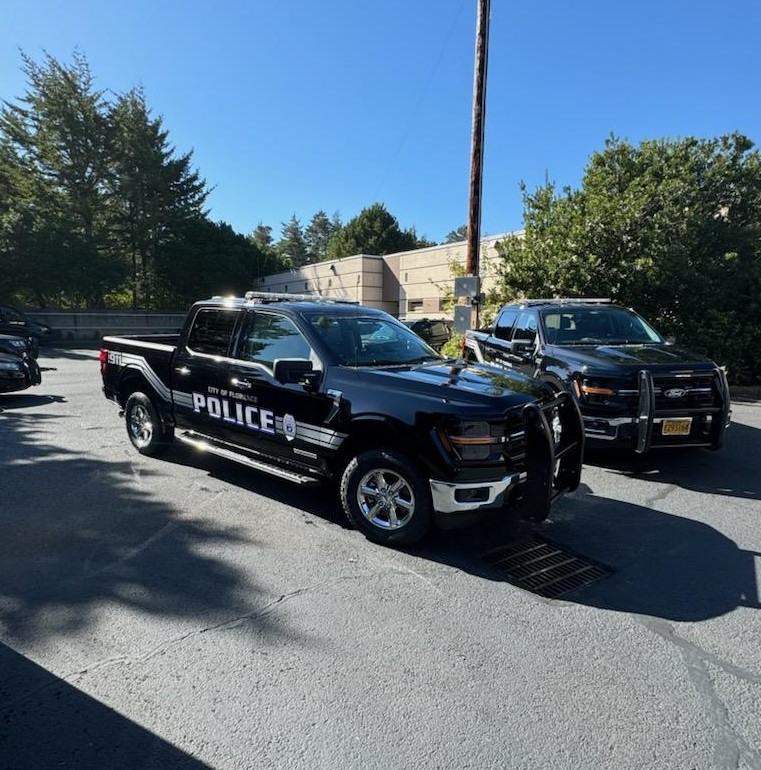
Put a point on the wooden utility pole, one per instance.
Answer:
(477, 140)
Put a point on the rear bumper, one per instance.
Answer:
(29, 374)
(554, 449)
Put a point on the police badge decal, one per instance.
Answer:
(289, 426)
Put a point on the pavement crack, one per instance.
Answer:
(730, 749)
(660, 496)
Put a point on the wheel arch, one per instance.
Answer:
(374, 432)
(133, 380)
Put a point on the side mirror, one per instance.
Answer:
(293, 370)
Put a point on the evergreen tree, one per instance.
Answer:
(56, 149)
(152, 191)
(292, 246)
(318, 233)
(372, 231)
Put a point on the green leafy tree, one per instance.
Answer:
(671, 227)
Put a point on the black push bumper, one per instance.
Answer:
(554, 454)
(716, 417)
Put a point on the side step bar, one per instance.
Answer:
(257, 465)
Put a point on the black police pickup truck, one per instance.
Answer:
(313, 390)
(634, 389)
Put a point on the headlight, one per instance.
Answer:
(594, 389)
(476, 440)
(18, 343)
(10, 366)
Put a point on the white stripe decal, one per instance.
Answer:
(131, 361)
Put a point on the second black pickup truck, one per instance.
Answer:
(312, 390)
(634, 389)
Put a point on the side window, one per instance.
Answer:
(504, 324)
(269, 337)
(525, 328)
(212, 331)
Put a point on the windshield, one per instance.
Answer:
(371, 341)
(596, 326)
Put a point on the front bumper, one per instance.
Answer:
(645, 429)
(461, 497)
(552, 466)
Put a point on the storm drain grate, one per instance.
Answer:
(544, 568)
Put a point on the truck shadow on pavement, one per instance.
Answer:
(663, 565)
(733, 470)
(46, 722)
(666, 566)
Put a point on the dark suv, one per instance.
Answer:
(14, 322)
(633, 388)
(435, 331)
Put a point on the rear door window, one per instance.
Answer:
(525, 328)
(504, 325)
(212, 331)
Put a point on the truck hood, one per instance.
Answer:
(656, 356)
(475, 384)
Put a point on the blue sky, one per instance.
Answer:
(292, 106)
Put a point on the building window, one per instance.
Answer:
(414, 305)
(306, 285)
(286, 288)
(406, 277)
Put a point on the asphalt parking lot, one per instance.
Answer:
(183, 612)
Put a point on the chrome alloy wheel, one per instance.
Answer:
(386, 499)
(140, 426)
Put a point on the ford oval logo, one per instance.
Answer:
(675, 392)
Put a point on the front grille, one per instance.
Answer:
(699, 391)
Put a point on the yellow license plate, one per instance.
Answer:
(677, 427)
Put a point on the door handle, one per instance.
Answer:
(243, 384)
(182, 370)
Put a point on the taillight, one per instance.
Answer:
(103, 360)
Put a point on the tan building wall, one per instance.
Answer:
(408, 284)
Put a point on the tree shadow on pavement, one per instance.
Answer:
(46, 722)
(79, 535)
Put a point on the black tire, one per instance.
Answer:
(145, 428)
(403, 511)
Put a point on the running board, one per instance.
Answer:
(257, 465)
